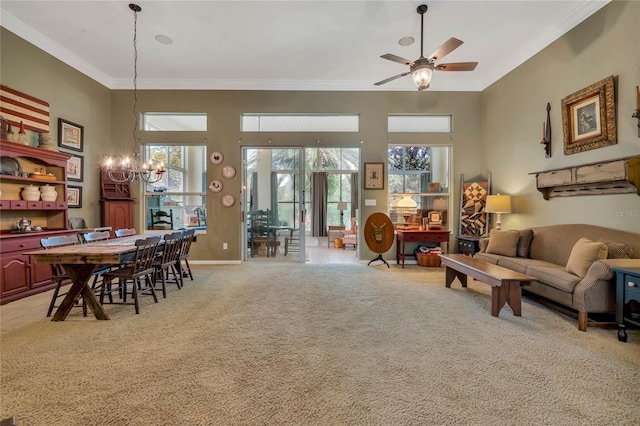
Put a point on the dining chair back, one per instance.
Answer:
(57, 271)
(90, 237)
(124, 232)
(139, 272)
(185, 248)
(160, 219)
(166, 263)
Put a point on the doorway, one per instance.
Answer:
(293, 196)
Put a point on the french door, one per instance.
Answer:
(273, 204)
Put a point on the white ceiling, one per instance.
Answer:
(289, 45)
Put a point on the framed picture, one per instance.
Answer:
(373, 175)
(70, 135)
(75, 168)
(74, 197)
(589, 118)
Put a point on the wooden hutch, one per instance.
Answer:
(19, 275)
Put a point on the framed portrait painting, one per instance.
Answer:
(75, 168)
(373, 175)
(74, 197)
(70, 135)
(588, 117)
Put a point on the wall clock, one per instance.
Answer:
(228, 200)
(229, 172)
(215, 186)
(216, 157)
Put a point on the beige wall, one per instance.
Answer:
(224, 108)
(495, 131)
(72, 96)
(513, 109)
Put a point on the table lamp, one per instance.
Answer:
(498, 204)
(342, 206)
(406, 207)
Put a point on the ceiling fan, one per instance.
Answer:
(422, 68)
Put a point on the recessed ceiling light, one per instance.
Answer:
(161, 38)
(406, 41)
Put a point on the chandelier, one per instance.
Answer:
(132, 169)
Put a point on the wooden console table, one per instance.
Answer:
(419, 236)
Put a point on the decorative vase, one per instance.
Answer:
(48, 193)
(31, 193)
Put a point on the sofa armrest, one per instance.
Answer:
(483, 243)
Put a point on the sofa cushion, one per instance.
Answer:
(583, 254)
(487, 257)
(504, 243)
(520, 264)
(618, 250)
(555, 276)
(524, 241)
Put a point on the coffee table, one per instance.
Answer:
(506, 285)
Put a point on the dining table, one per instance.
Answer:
(80, 262)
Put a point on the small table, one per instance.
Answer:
(505, 283)
(468, 245)
(627, 290)
(337, 231)
(418, 236)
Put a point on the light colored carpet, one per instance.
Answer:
(316, 344)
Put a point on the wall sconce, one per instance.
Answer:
(342, 206)
(498, 204)
(636, 114)
(546, 134)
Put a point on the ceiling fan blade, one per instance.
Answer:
(395, 77)
(397, 59)
(448, 47)
(457, 66)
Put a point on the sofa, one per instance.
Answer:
(571, 263)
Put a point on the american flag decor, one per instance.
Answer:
(17, 106)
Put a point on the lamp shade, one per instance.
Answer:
(407, 203)
(342, 205)
(498, 204)
(440, 204)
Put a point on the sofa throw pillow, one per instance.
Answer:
(504, 243)
(524, 241)
(583, 254)
(618, 250)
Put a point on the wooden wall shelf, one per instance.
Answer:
(619, 176)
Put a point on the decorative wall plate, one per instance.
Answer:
(216, 157)
(215, 186)
(228, 200)
(229, 172)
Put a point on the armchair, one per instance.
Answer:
(351, 235)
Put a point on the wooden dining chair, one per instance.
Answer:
(57, 271)
(91, 237)
(124, 232)
(185, 248)
(166, 263)
(139, 272)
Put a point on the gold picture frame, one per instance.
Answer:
(373, 175)
(589, 117)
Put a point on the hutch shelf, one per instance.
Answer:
(19, 275)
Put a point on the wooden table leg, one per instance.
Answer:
(514, 297)
(80, 275)
(498, 299)
(451, 274)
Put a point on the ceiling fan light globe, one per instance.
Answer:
(422, 77)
